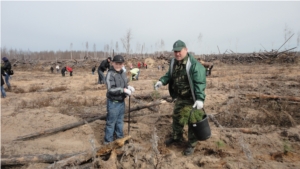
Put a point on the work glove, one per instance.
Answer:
(198, 104)
(131, 88)
(157, 85)
(127, 91)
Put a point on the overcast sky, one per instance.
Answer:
(239, 26)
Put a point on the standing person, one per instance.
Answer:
(162, 68)
(139, 65)
(102, 68)
(51, 68)
(57, 68)
(63, 71)
(7, 70)
(207, 65)
(117, 90)
(69, 69)
(158, 67)
(124, 68)
(93, 70)
(3, 94)
(135, 72)
(187, 82)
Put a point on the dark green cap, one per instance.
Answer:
(178, 45)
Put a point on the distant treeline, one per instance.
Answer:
(65, 55)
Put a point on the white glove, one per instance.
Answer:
(158, 85)
(127, 91)
(131, 88)
(198, 104)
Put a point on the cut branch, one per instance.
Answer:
(43, 158)
(273, 97)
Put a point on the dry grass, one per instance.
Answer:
(57, 89)
(18, 90)
(34, 88)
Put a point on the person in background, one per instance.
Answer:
(104, 65)
(139, 65)
(208, 65)
(51, 68)
(3, 94)
(117, 91)
(63, 71)
(93, 70)
(69, 69)
(124, 69)
(187, 83)
(7, 70)
(57, 68)
(134, 74)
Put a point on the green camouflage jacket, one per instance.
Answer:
(196, 75)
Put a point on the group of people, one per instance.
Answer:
(133, 73)
(143, 64)
(63, 70)
(6, 72)
(187, 82)
(185, 77)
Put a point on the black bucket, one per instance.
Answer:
(201, 129)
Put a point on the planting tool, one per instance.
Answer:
(128, 115)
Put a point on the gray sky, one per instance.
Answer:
(239, 26)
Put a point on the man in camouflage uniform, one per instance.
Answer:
(187, 82)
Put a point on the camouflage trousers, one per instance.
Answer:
(177, 127)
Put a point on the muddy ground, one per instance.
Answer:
(254, 132)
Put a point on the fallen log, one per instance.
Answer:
(111, 162)
(76, 124)
(243, 130)
(139, 102)
(111, 146)
(154, 103)
(273, 97)
(58, 129)
(43, 158)
(149, 96)
(85, 156)
(71, 161)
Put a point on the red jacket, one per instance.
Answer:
(139, 65)
(69, 69)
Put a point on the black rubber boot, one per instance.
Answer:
(171, 141)
(189, 151)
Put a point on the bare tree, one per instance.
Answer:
(117, 47)
(95, 51)
(162, 46)
(87, 48)
(298, 39)
(126, 41)
(111, 48)
(287, 33)
(138, 47)
(106, 50)
(71, 46)
(200, 39)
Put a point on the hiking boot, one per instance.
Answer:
(171, 141)
(189, 151)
